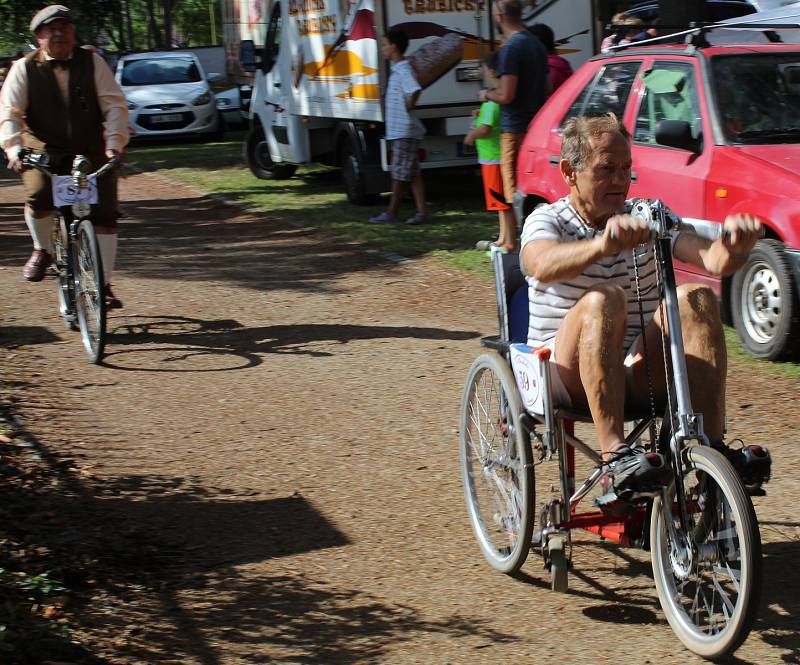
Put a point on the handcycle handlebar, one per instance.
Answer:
(662, 220)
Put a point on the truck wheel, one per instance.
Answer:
(353, 177)
(763, 301)
(256, 152)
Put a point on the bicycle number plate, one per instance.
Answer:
(65, 193)
(529, 372)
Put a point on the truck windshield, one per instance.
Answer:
(758, 97)
(160, 71)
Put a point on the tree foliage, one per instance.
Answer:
(119, 25)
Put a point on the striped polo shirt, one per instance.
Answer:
(549, 302)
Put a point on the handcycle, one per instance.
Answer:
(701, 529)
(76, 262)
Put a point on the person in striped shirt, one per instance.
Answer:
(578, 256)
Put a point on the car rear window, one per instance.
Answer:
(758, 97)
(159, 71)
(607, 92)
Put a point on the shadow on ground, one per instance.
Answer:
(175, 343)
(155, 562)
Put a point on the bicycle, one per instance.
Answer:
(76, 261)
(703, 533)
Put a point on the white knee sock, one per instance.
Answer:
(108, 253)
(41, 229)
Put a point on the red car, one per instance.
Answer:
(731, 144)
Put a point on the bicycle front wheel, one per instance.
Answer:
(64, 283)
(90, 300)
(496, 467)
(708, 576)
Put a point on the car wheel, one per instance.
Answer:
(353, 176)
(256, 152)
(763, 301)
(219, 133)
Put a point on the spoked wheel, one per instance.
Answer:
(64, 285)
(90, 300)
(708, 577)
(496, 464)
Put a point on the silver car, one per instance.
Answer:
(168, 94)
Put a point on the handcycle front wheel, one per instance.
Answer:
(708, 577)
(90, 297)
(496, 467)
(65, 288)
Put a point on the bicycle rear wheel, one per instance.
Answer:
(708, 577)
(90, 301)
(496, 467)
(64, 284)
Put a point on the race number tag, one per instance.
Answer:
(65, 193)
(529, 371)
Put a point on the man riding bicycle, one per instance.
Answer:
(64, 101)
(584, 257)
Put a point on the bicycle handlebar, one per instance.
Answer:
(38, 161)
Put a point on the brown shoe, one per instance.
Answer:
(36, 266)
(112, 302)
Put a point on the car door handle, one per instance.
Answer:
(554, 160)
(633, 176)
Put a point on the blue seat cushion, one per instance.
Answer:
(518, 315)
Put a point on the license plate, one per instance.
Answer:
(166, 117)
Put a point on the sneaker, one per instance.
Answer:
(36, 266)
(383, 218)
(753, 463)
(418, 218)
(112, 302)
(634, 473)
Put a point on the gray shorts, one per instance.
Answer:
(405, 159)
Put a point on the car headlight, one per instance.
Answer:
(132, 106)
(223, 101)
(205, 98)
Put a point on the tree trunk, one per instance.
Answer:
(167, 6)
(153, 30)
(131, 44)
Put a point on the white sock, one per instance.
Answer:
(41, 229)
(108, 253)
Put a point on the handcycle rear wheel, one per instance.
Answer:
(496, 466)
(90, 300)
(709, 590)
(64, 285)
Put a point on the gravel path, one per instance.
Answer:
(265, 469)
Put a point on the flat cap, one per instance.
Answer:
(48, 14)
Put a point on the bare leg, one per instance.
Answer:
(508, 229)
(418, 192)
(398, 193)
(706, 358)
(590, 355)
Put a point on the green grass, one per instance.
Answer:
(315, 196)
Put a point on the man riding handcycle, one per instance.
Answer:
(598, 330)
(578, 257)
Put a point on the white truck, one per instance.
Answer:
(318, 77)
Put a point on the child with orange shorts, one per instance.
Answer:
(486, 138)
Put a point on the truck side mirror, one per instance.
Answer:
(677, 134)
(247, 55)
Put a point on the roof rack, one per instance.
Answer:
(695, 34)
